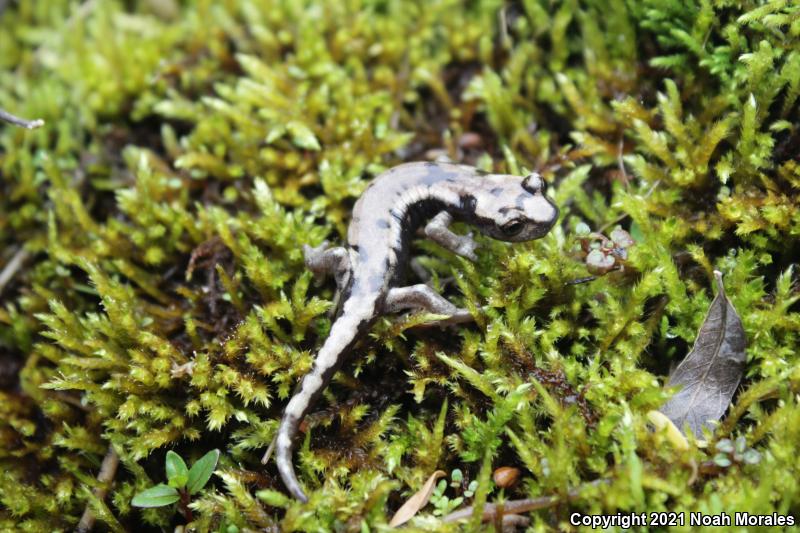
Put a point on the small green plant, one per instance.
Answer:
(442, 503)
(735, 452)
(603, 254)
(182, 483)
(228, 528)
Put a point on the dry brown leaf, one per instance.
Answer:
(416, 502)
(709, 375)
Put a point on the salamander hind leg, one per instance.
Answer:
(424, 298)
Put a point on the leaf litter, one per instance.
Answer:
(710, 374)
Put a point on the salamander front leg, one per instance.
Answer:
(438, 230)
(424, 298)
(323, 260)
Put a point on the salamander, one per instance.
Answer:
(369, 269)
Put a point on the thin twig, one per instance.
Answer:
(621, 162)
(67, 398)
(270, 449)
(502, 22)
(29, 124)
(490, 510)
(107, 472)
(578, 281)
(513, 522)
(513, 507)
(12, 267)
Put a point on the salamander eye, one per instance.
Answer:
(468, 203)
(534, 183)
(513, 228)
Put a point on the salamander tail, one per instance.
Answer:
(343, 335)
(283, 457)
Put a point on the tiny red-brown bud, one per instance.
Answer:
(506, 476)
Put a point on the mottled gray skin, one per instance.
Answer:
(370, 267)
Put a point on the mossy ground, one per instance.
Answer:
(191, 148)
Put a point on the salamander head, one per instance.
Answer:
(511, 209)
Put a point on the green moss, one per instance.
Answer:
(190, 149)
